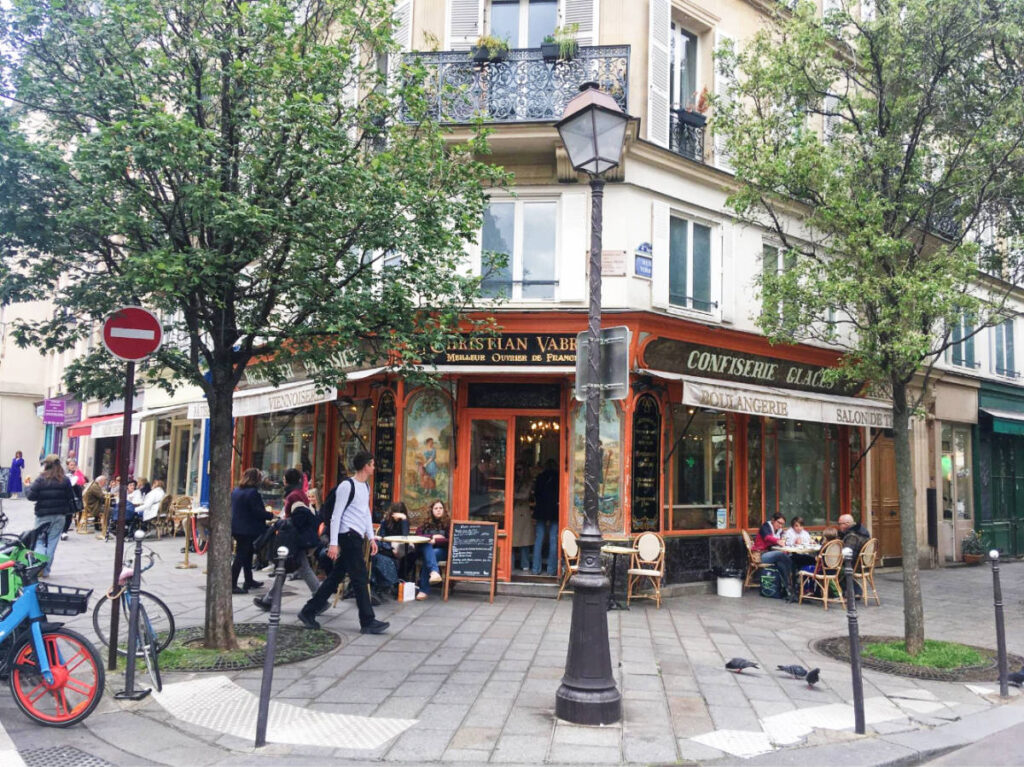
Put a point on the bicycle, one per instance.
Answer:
(155, 621)
(55, 674)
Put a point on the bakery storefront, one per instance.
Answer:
(719, 430)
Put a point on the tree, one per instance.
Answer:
(885, 157)
(242, 168)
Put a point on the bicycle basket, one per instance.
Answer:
(62, 600)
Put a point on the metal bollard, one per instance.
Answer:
(997, 590)
(855, 668)
(129, 690)
(268, 659)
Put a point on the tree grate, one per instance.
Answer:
(61, 756)
(294, 643)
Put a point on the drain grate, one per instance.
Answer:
(61, 756)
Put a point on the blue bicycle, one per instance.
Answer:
(56, 675)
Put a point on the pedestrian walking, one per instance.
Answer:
(249, 518)
(54, 500)
(78, 480)
(303, 522)
(351, 525)
(14, 478)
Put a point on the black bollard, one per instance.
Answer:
(997, 590)
(855, 669)
(268, 658)
(129, 690)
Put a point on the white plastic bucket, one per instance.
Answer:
(730, 587)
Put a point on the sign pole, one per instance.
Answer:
(122, 510)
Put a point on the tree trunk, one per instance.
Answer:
(220, 621)
(913, 609)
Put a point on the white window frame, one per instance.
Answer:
(675, 29)
(972, 364)
(524, 22)
(516, 258)
(995, 362)
(714, 265)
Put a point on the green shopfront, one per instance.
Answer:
(999, 466)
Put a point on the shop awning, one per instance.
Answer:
(1005, 421)
(100, 426)
(780, 403)
(162, 411)
(271, 399)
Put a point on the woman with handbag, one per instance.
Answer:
(54, 500)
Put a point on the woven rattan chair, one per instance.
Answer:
(754, 562)
(864, 569)
(570, 560)
(827, 569)
(646, 563)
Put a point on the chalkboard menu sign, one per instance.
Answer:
(384, 452)
(472, 554)
(646, 459)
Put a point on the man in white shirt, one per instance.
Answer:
(351, 525)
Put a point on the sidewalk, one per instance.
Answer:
(472, 682)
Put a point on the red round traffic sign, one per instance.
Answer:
(132, 333)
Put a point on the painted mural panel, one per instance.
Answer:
(426, 468)
(610, 515)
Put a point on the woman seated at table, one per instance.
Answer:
(795, 534)
(768, 536)
(402, 556)
(150, 506)
(435, 528)
(132, 516)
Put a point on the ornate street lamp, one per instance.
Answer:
(592, 129)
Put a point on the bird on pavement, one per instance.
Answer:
(1016, 678)
(738, 664)
(797, 672)
(812, 676)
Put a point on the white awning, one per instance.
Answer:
(780, 403)
(271, 399)
(162, 411)
(113, 427)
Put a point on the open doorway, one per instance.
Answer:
(536, 491)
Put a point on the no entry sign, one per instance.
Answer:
(132, 333)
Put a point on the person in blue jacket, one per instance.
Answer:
(249, 518)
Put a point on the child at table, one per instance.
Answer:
(795, 534)
(435, 528)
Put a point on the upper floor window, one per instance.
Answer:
(690, 265)
(683, 72)
(1002, 358)
(525, 233)
(962, 351)
(524, 23)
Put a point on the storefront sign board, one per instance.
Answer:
(269, 400)
(532, 349)
(53, 411)
(113, 427)
(716, 362)
(472, 554)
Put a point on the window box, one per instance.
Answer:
(695, 119)
(482, 54)
(549, 51)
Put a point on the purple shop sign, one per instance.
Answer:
(61, 412)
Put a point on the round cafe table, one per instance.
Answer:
(190, 515)
(411, 540)
(616, 551)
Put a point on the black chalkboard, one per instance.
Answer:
(472, 553)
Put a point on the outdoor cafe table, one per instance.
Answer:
(190, 515)
(615, 551)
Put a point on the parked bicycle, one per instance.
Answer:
(155, 623)
(55, 674)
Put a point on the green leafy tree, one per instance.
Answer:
(242, 168)
(885, 156)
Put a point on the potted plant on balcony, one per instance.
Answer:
(695, 113)
(565, 38)
(549, 48)
(489, 48)
(972, 548)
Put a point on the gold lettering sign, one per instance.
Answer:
(529, 349)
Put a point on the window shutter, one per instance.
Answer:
(403, 28)
(465, 24)
(573, 247)
(659, 253)
(723, 88)
(584, 13)
(660, 29)
(1011, 366)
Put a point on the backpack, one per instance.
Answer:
(281, 533)
(771, 583)
(327, 507)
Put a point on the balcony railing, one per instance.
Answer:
(686, 134)
(522, 88)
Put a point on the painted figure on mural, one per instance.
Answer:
(428, 466)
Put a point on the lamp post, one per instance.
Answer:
(592, 128)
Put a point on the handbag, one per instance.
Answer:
(76, 501)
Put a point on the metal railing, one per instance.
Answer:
(520, 88)
(685, 137)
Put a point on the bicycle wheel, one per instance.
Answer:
(149, 648)
(77, 679)
(160, 618)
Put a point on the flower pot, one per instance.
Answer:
(696, 119)
(549, 51)
(482, 54)
(973, 559)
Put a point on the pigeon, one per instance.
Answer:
(1016, 678)
(738, 664)
(797, 672)
(812, 676)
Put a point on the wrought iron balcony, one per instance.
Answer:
(521, 88)
(686, 134)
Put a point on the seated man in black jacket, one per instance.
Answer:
(854, 534)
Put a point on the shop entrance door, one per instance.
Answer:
(885, 501)
(507, 453)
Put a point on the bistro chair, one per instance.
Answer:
(827, 569)
(864, 569)
(178, 520)
(570, 560)
(647, 562)
(163, 522)
(108, 501)
(754, 562)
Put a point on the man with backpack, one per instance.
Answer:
(351, 525)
